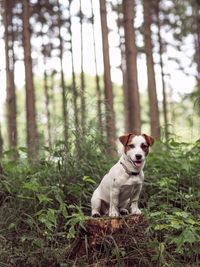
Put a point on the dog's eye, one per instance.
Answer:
(131, 146)
(144, 146)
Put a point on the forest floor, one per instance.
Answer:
(45, 207)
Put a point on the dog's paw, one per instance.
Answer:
(136, 211)
(124, 212)
(96, 214)
(113, 213)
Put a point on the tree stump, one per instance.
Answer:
(101, 233)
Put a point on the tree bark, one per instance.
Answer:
(133, 108)
(74, 87)
(196, 11)
(110, 119)
(98, 88)
(52, 96)
(103, 230)
(46, 94)
(83, 107)
(63, 85)
(153, 102)
(165, 112)
(123, 69)
(32, 135)
(1, 146)
(10, 89)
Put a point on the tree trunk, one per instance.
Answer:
(1, 146)
(196, 11)
(123, 70)
(117, 232)
(46, 94)
(110, 120)
(52, 97)
(83, 109)
(153, 102)
(98, 89)
(11, 96)
(63, 86)
(32, 135)
(74, 87)
(133, 108)
(162, 72)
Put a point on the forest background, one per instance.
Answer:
(74, 76)
(173, 44)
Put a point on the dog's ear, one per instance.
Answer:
(125, 138)
(149, 139)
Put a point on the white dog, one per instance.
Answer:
(120, 188)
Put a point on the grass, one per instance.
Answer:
(43, 208)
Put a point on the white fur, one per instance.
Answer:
(119, 189)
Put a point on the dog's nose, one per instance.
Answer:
(138, 156)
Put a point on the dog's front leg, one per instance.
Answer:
(114, 201)
(134, 201)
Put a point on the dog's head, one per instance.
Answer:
(136, 147)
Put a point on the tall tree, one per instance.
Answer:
(196, 11)
(123, 63)
(134, 119)
(74, 87)
(160, 43)
(63, 85)
(52, 94)
(153, 102)
(11, 95)
(110, 120)
(1, 145)
(46, 52)
(83, 107)
(32, 135)
(98, 88)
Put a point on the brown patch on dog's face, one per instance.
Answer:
(145, 148)
(149, 139)
(126, 141)
(149, 142)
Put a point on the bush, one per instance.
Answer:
(44, 205)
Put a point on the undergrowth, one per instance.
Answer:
(43, 206)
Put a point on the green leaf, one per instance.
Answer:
(7, 185)
(11, 226)
(182, 214)
(176, 224)
(23, 149)
(174, 143)
(88, 179)
(161, 227)
(161, 248)
(58, 195)
(64, 210)
(52, 216)
(32, 185)
(44, 198)
(189, 235)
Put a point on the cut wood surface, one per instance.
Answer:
(97, 228)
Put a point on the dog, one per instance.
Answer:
(120, 188)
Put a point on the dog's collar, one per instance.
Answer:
(127, 171)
